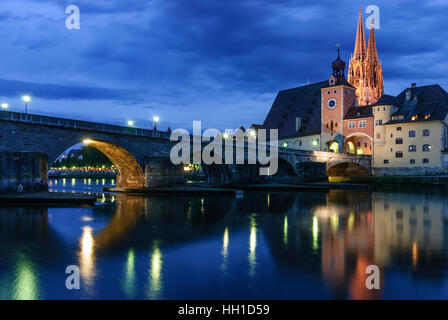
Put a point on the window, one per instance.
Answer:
(300, 142)
(352, 125)
(335, 91)
(378, 135)
(362, 124)
(378, 122)
(412, 161)
(426, 133)
(425, 160)
(365, 145)
(426, 148)
(412, 148)
(399, 141)
(398, 154)
(328, 92)
(385, 161)
(391, 135)
(411, 134)
(398, 128)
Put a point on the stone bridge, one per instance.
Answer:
(29, 142)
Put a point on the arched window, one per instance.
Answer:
(426, 133)
(398, 154)
(411, 134)
(412, 148)
(426, 148)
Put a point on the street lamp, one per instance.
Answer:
(26, 99)
(156, 120)
(130, 123)
(4, 106)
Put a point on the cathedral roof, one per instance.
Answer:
(426, 103)
(303, 102)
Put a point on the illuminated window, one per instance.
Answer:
(413, 118)
(427, 116)
(412, 134)
(426, 148)
(412, 148)
(426, 133)
(398, 154)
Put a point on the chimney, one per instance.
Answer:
(414, 85)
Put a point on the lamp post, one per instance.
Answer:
(156, 120)
(130, 123)
(26, 99)
(4, 106)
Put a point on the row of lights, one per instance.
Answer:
(156, 120)
(24, 98)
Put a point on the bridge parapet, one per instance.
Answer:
(80, 125)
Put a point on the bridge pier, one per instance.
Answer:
(23, 171)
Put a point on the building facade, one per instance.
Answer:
(406, 134)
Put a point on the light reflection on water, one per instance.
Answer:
(276, 245)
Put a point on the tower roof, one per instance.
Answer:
(338, 64)
(360, 44)
(372, 54)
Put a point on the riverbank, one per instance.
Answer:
(47, 198)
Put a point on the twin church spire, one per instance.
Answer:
(365, 72)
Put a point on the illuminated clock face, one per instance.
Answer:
(332, 103)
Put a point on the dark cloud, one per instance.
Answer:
(13, 89)
(217, 61)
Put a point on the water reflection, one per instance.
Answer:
(26, 282)
(130, 285)
(277, 239)
(155, 273)
(86, 257)
(252, 246)
(225, 251)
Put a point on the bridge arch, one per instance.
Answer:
(130, 173)
(347, 169)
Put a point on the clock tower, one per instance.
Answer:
(337, 98)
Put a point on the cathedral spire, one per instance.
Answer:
(360, 44)
(372, 54)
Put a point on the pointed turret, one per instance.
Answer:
(372, 54)
(360, 44)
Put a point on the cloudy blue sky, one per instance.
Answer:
(221, 62)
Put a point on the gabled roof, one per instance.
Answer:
(387, 100)
(359, 112)
(426, 103)
(303, 102)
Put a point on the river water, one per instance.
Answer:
(269, 245)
